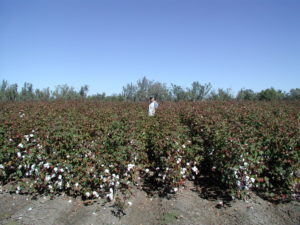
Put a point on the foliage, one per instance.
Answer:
(140, 92)
(98, 149)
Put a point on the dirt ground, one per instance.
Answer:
(186, 207)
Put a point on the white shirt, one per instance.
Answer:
(152, 106)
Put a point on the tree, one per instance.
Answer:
(42, 95)
(221, 95)
(294, 94)
(143, 88)
(65, 92)
(129, 92)
(159, 91)
(3, 87)
(11, 93)
(270, 94)
(83, 91)
(98, 96)
(246, 94)
(27, 93)
(178, 93)
(198, 92)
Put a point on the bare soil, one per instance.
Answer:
(187, 206)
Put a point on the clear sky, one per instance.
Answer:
(108, 43)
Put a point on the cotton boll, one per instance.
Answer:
(130, 166)
(111, 194)
(95, 193)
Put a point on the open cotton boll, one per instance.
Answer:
(130, 166)
(95, 193)
(20, 145)
(110, 195)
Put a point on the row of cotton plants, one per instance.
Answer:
(99, 150)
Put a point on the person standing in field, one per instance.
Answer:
(152, 106)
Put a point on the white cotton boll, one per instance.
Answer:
(246, 164)
(47, 178)
(50, 187)
(1, 166)
(20, 145)
(33, 167)
(19, 154)
(175, 189)
(55, 169)
(95, 193)
(76, 185)
(60, 184)
(187, 164)
(183, 170)
(47, 165)
(130, 203)
(183, 146)
(31, 135)
(130, 166)
(87, 194)
(61, 170)
(106, 171)
(110, 196)
(60, 177)
(53, 175)
(247, 178)
(195, 169)
(178, 160)
(252, 179)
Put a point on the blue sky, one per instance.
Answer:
(108, 43)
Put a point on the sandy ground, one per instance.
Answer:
(186, 207)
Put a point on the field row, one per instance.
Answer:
(94, 149)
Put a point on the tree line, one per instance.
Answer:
(141, 91)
